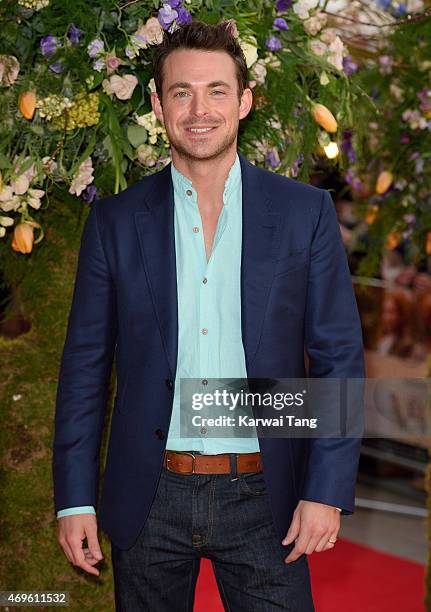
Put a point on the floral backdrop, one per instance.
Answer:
(75, 81)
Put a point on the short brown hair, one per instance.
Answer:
(201, 35)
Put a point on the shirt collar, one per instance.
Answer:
(182, 184)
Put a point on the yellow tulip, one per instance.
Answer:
(384, 181)
(324, 117)
(23, 238)
(27, 104)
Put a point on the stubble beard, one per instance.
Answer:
(191, 154)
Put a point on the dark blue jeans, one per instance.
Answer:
(224, 519)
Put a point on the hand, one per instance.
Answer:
(313, 524)
(72, 530)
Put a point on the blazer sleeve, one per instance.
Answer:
(333, 342)
(85, 369)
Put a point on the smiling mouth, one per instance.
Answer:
(205, 130)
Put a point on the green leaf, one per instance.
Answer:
(136, 134)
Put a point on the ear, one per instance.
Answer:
(246, 103)
(157, 106)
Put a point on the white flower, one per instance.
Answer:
(152, 84)
(301, 7)
(324, 79)
(315, 24)
(49, 165)
(250, 50)
(2, 232)
(34, 197)
(318, 47)
(148, 121)
(146, 154)
(12, 204)
(6, 221)
(20, 185)
(83, 177)
(259, 71)
(328, 35)
(152, 31)
(397, 92)
(121, 86)
(336, 49)
(6, 193)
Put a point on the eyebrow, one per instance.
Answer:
(185, 85)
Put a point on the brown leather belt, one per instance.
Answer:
(185, 462)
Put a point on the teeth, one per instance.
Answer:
(198, 130)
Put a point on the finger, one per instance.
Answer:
(93, 542)
(313, 542)
(299, 548)
(79, 559)
(293, 530)
(325, 544)
(89, 557)
(66, 549)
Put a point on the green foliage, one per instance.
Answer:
(397, 138)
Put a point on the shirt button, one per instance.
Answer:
(204, 382)
(205, 281)
(195, 229)
(204, 331)
(189, 192)
(203, 430)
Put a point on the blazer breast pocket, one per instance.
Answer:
(292, 262)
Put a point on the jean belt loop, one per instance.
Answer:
(233, 467)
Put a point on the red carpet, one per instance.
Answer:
(350, 578)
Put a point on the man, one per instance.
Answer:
(209, 268)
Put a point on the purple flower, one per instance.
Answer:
(347, 146)
(273, 43)
(297, 164)
(166, 16)
(48, 45)
(272, 160)
(280, 24)
(95, 47)
(349, 66)
(90, 194)
(281, 6)
(56, 67)
(384, 4)
(99, 64)
(174, 3)
(404, 138)
(409, 218)
(184, 17)
(74, 34)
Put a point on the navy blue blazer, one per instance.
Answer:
(296, 294)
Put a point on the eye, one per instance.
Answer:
(218, 91)
(180, 92)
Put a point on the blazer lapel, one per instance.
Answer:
(261, 233)
(155, 227)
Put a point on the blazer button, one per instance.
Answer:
(169, 383)
(160, 434)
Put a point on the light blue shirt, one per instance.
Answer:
(209, 304)
(209, 307)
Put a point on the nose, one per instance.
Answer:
(199, 106)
